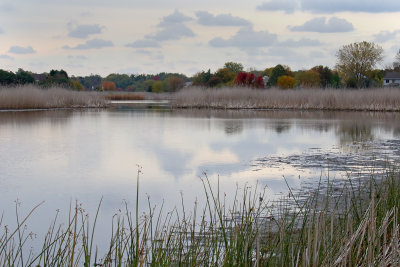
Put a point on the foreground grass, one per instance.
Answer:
(357, 225)
(32, 97)
(378, 99)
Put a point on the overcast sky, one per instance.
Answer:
(187, 36)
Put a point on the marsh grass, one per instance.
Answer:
(124, 96)
(355, 225)
(31, 97)
(378, 99)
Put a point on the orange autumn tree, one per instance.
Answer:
(285, 82)
(109, 86)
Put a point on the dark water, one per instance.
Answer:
(65, 156)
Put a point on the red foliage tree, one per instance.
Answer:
(259, 82)
(249, 79)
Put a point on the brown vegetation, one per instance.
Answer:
(378, 99)
(124, 96)
(31, 97)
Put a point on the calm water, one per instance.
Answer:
(63, 156)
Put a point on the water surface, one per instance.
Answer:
(65, 156)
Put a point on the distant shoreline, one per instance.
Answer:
(31, 98)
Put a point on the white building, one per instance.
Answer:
(391, 79)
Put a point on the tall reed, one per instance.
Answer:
(31, 97)
(355, 225)
(378, 99)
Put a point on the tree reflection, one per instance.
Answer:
(233, 127)
(359, 133)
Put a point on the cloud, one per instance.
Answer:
(300, 43)
(92, 44)
(385, 36)
(7, 8)
(331, 6)
(21, 50)
(208, 19)
(288, 6)
(78, 57)
(143, 44)
(334, 24)
(175, 18)
(1, 31)
(246, 38)
(369, 6)
(172, 32)
(84, 31)
(6, 57)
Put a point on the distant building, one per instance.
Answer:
(391, 79)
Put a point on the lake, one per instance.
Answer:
(63, 156)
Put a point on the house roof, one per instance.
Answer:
(392, 75)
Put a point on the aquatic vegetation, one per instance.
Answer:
(32, 97)
(379, 99)
(354, 225)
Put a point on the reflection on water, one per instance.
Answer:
(63, 155)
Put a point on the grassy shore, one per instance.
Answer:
(31, 97)
(378, 99)
(355, 225)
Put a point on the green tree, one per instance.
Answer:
(226, 75)
(201, 78)
(234, 67)
(276, 72)
(354, 61)
(7, 77)
(325, 75)
(24, 77)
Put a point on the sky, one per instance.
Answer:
(87, 37)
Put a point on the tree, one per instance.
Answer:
(109, 86)
(225, 74)
(174, 83)
(354, 61)
(286, 82)
(7, 77)
(24, 77)
(234, 67)
(120, 80)
(276, 72)
(308, 78)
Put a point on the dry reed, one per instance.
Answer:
(124, 96)
(378, 99)
(31, 97)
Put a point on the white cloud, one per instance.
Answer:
(300, 43)
(92, 44)
(143, 44)
(85, 30)
(207, 19)
(246, 38)
(21, 50)
(385, 36)
(320, 24)
(1, 31)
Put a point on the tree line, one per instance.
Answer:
(355, 68)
